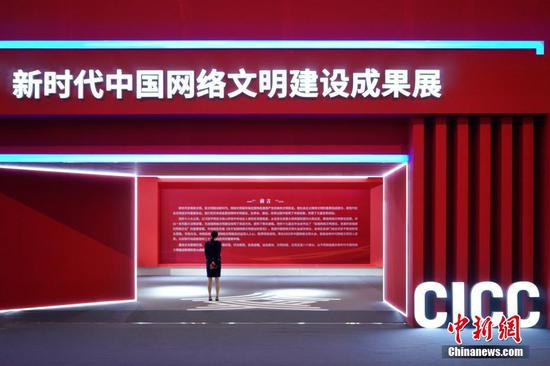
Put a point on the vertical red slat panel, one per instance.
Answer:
(416, 212)
(505, 213)
(440, 201)
(483, 252)
(545, 230)
(462, 199)
(526, 205)
(526, 200)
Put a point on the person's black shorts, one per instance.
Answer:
(214, 272)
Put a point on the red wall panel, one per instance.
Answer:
(376, 225)
(248, 19)
(395, 239)
(149, 134)
(65, 238)
(174, 195)
(148, 222)
(149, 219)
(417, 190)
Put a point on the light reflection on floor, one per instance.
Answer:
(263, 292)
(147, 291)
(266, 301)
(243, 300)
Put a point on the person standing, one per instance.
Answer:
(212, 252)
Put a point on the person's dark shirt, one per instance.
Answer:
(212, 250)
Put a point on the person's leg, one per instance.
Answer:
(217, 288)
(209, 288)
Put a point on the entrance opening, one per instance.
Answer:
(323, 237)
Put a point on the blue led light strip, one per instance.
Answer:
(203, 158)
(537, 46)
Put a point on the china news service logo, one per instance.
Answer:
(508, 328)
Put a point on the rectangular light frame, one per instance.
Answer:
(401, 158)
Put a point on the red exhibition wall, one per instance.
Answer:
(66, 238)
(261, 222)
